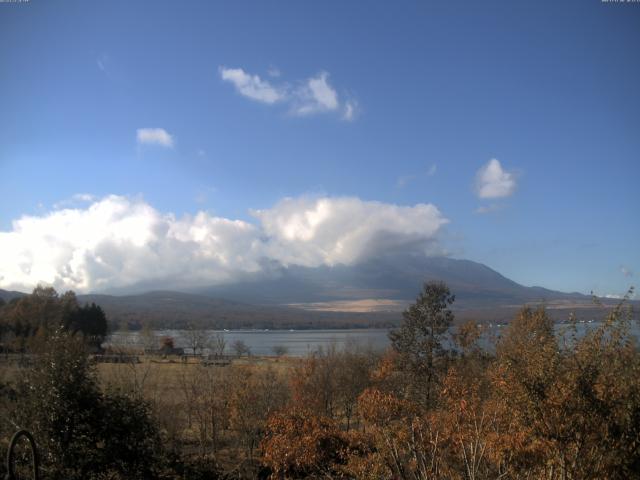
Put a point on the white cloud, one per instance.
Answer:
(432, 170)
(626, 271)
(83, 197)
(118, 242)
(154, 136)
(312, 96)
(494, 182)
(315, 96)
(329, 231)
(484, 209)
(75, 199)
(252, 86)
(350, 110)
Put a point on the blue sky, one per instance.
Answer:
(414, 100)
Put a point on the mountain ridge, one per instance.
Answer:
(330, 296)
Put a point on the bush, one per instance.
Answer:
(81, 432)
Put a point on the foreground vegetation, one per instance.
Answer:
(539, 405)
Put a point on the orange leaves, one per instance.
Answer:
(380, 408)
(387, 366)
(298, 443)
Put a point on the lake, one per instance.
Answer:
(301, 342)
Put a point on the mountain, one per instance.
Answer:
(394, 276)
(371, 293)
(170, 309)
(8, 295)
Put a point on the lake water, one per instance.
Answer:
(302, 342)
(262, 342)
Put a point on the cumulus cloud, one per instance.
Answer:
(492, 181)
(119, 242)
(330, 231)
(154, 136)
(311, 96)
(315, 96)
(252, 86)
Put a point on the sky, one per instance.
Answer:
(195, 141)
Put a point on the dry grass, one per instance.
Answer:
(156, 376)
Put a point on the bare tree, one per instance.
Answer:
(241, 348)
(149, 340)
(196, 338)
(254, 395)
(216, 343)
(205, 393)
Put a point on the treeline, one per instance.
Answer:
(540, 404)
(24, 320)
(540, 407)
(133, 318)
(282, 319)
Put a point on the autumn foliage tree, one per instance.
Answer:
(44, 310)
(576, 398)
(301, 444)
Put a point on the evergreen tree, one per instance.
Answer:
(419, 340)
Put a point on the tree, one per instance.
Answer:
(131, 441)
(44, 311)
(575, 399)
(352, 378)
(314, 381)
(280, 350)
(216, 343)
(241, 348)
(206, 394)
(83, 433)
(405, 443)
(149, 339)
(89, 320)
(300, 444)
(254, 395)
(419, 340)
(196, 338)
(167, 345)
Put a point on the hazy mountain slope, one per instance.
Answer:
(8, 295)
(393, 276)
(167, 309)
